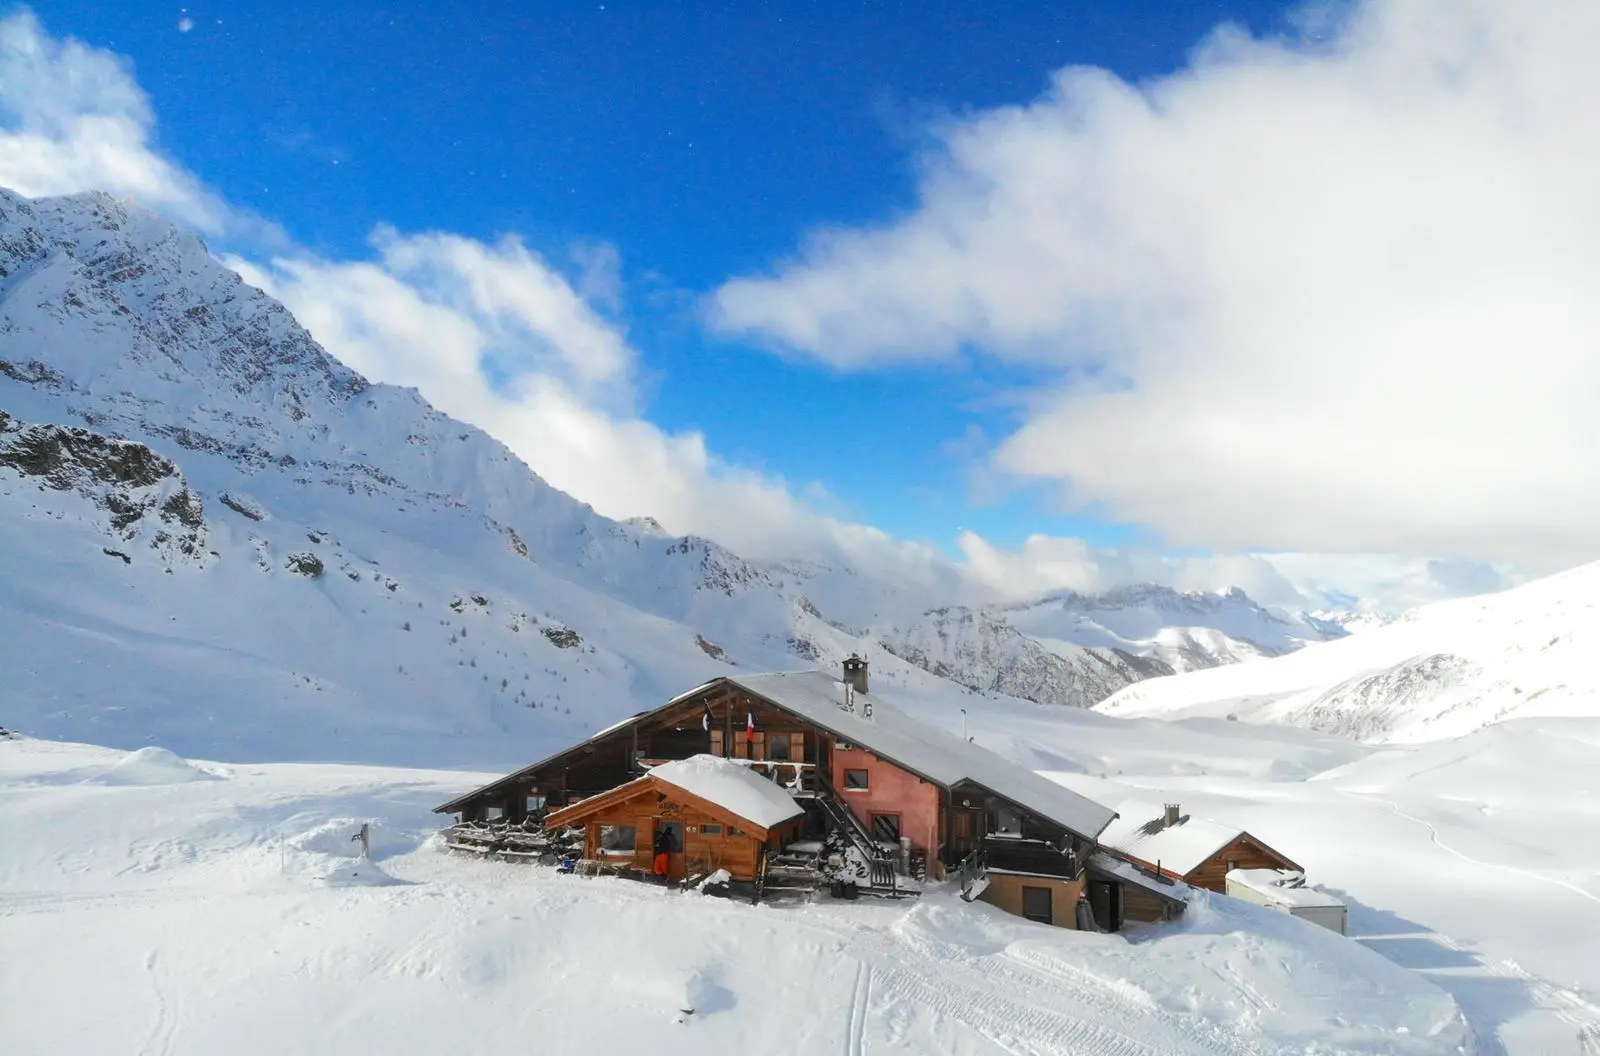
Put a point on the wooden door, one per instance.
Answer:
(966, 831)
(1105, 902)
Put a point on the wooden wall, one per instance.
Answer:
(740, 855)
(1140, 905)
(1245, 852)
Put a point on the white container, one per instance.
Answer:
(1284, 889)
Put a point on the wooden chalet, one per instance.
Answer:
(1162, 839)
(901, 797)
(718, 815)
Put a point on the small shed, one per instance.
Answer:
(1120, 892)
(720, 816)
(1286, 890)
(1200, 852)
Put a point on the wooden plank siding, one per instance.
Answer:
(733, 843)
(1145, 906)
(1243, 852)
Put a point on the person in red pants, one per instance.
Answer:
(665, 847)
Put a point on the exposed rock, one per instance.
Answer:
(305, 564)
(244, 506)
(562, 637)
(712, 649)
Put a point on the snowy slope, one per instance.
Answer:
(325, 567)
(1443, 670)
(1077, 649)
(1185, 630)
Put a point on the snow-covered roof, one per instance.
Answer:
(1128, 873)
(1284, 886)
(732, 787)
(1180, 847)
(923, 749)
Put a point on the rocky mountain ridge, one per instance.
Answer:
(127, 352)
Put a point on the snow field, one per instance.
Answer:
(198, 917)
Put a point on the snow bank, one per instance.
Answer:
(1231, 961)
(362, 873)
(148, 766)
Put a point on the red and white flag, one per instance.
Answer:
(750, 725)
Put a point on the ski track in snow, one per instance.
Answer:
(159, 1043)
(1571, 1007)
(855, 1043)
(1433, 835)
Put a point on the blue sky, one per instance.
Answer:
(1076, 294)
(702, 141)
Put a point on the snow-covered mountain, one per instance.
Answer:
(1442, 670)
(216, 533)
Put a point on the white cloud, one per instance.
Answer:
(495, 335)
(1383, 583)
(1310, 296)
(432, 310)
(72, 118)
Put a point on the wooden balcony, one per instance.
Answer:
(1013, 854)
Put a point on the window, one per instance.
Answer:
(711, 830)
(855, 780)
(535, 804)
(1036, 904)
(735, 831)
(1233, 863)
(778, 749)
(618, 839)
(1007, 820)
(886, 827)
(493, 813)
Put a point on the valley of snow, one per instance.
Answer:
(154, 904)
(216, 541)
(1442, 670)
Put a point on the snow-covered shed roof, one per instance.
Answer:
(924, 750)
(1284, 886)
(1181, 847)
(732, 787)
(1127, 872)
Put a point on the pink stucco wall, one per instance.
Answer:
(890, 790)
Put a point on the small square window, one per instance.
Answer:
(711, 830)
(735, 831)
(493, 813)
(855, 780)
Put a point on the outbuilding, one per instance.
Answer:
(1198, 851)
(717, 815)
(1286, 890)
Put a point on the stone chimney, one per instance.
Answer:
(1171, 816)
(855, 673)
